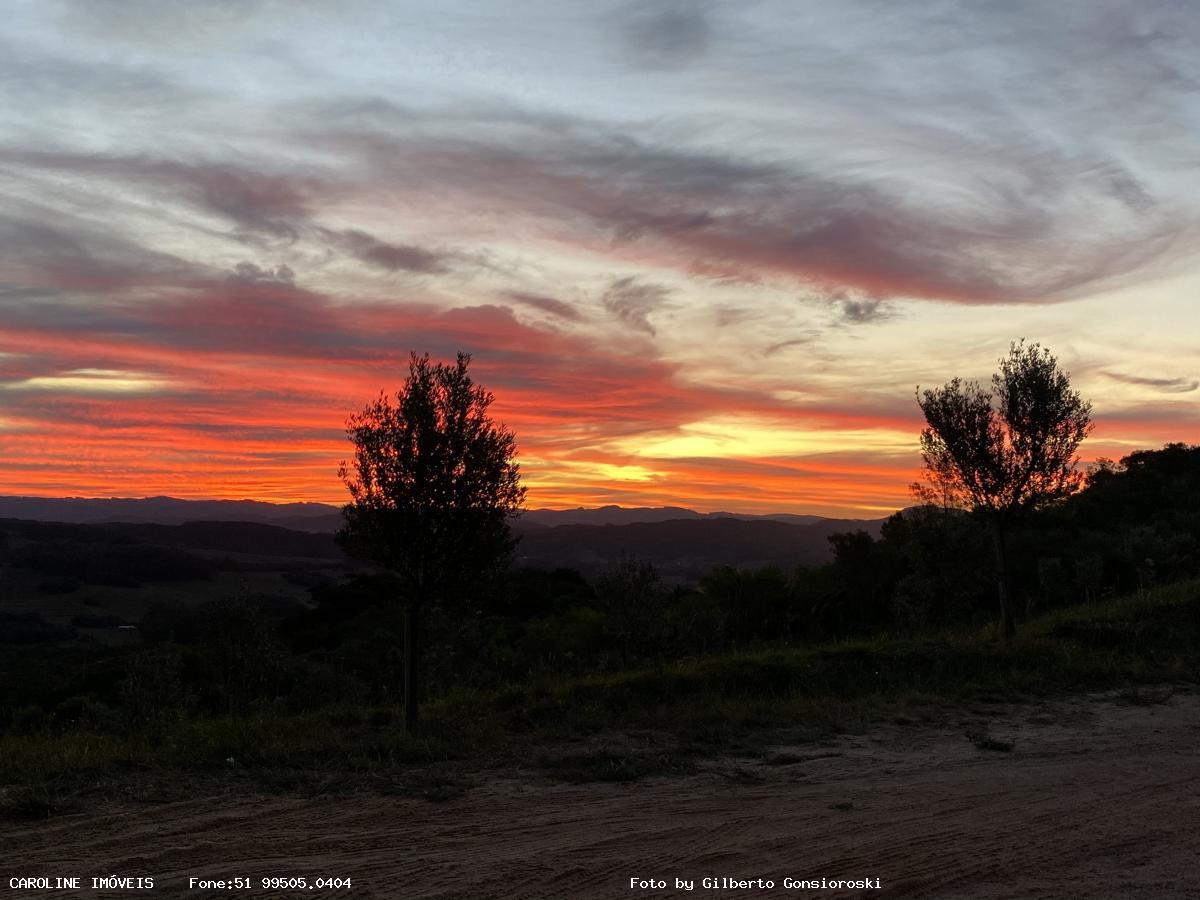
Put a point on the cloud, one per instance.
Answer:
(47, 253)
(546, 304)
(787, 345)
(666, 33)
(864, 310)
(995, 239)
(248, 271)
(104, 381)
(265, 207)
(633, 301)
(257, 201)
(1025, 221)
(391, 257)
(1166, 385)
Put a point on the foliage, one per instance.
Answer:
(1008, 449)
(1005, 451)
(433, 483)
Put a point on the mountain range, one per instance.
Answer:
(681, 542)
(323, 516)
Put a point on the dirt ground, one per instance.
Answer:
(1099, 796)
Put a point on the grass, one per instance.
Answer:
(656, 720)
(1125, 642)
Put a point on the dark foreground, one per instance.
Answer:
(1095, 796)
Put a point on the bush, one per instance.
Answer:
(87, 714)
(317, 686)
(153, 696)
(237, 658)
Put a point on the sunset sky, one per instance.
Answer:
(703, 253)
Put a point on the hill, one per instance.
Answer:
(169, 511)
(686, 548)
(622, 515)
(680, 549)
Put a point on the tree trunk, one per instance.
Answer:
(412, 658)
(1007, 629)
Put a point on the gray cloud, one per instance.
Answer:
(1027, 231)
(787, 345)
(982, 202)
(632, 301)
(259, 202)
(392, 257)
(546, 304)
(712, 214)
(1166, 385)
(666, 33)
(48, 252)
(265, 207)
(864, 310)
(248, 271)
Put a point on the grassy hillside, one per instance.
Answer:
(732, 702)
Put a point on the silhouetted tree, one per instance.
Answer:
(433, 484)
(1004, 451)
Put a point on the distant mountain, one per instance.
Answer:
(170, 511)
(322, 516)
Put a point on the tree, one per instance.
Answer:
(1005, 451)
(433, 484)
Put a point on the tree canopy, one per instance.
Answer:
(1007, 449)
(433, 482)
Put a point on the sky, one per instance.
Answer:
(702, 253)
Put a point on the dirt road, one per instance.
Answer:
(1098, 797)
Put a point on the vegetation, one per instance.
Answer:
(433, 484)
(162, 712)
(1007, 451)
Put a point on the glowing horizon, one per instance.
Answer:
(702, 254)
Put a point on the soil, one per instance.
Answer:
(1088, 796)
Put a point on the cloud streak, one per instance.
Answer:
(1166, 385)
